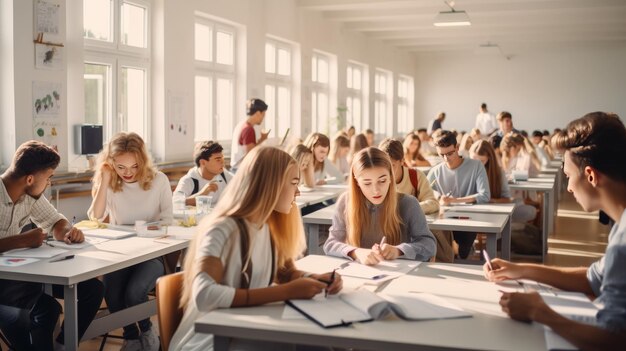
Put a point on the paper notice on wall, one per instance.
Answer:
(47, 99)
(47, 17)
(49, 57)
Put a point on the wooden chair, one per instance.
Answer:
(168, 292)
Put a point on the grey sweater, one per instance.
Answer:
(418, 243)
(469, 179)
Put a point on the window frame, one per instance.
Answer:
(277, 81)
(318, 88)
(354, 93)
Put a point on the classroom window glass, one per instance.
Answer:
(383, 121)
(203, 108)
(356, 96)
(224, 47)
(320, 109)
(203, 42)
(405, 105)
(98, 20)
(97, 81)
(278, 87)
(133, 100)
(133, 21)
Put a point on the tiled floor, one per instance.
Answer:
(579, 240)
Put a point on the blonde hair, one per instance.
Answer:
(253, 193)
(339, 142)
(299, 152)
(123, 143)
(466, 142)
(512, 140)
(313, 140)
(357, 214)
(415, 156)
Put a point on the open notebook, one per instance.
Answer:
(108, 233)
(363, 305)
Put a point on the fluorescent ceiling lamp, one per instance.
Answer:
(452, 19)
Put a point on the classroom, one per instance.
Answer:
(206, 174)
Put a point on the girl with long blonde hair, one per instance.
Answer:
(518, 154)
(373, 222)
(248, 243)
(127, 188)
(325, 171)
(304, 158)
(412, 155)
(339, 149)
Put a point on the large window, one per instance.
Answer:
(320, 92)
(215, 53)
(278, 85)
(355, 83)
(405, 105)
(383, 121)
(117, 65)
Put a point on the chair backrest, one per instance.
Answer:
(168, 291)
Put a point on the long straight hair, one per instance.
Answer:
(253, 193)
(313, 140)
(494, 171)
(417, 155)
(338, 143)
(357, 212)
(123, 143)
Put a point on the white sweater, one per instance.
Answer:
(133, 203)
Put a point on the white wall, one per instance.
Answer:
(542, 90)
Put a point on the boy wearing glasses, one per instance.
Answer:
(458, 180)
(208, 177)
(28, 315)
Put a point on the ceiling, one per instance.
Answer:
(513, 25)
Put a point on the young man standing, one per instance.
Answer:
(208, 177)
(458, 180)
(485, 121)
(436, 123)
(244, 136)
(21, 202)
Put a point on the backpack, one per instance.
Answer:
(196, 183)
(413, 177)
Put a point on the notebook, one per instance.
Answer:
(108, 233)
(43, 251)
(363, 305)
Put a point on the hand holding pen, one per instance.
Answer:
(333, 282)
(386, 251)
(74, 235)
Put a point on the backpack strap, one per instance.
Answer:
(246, 260)
(414, 181)
(224, 177)
(196, 186)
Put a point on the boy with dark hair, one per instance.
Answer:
(21, 203)
(208, 177)
(458, 180)
(244, 136)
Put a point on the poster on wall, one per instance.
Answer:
(49, 57)
(46, 99)
(47, 16)
(176, 114)
(47, 131)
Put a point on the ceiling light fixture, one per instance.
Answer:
(452, 18)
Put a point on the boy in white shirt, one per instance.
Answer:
(208, 177)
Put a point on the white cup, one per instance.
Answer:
(203, 204)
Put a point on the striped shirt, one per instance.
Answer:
(14, 216)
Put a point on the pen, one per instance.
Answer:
(62, 258)
(486, 256)
(459, 217)
(332, 280)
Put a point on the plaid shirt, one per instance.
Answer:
(14, 216)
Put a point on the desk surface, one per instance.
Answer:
(488, 329)
(320, 194)
(94, 261)
(504, 208)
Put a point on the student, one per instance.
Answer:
(597, 178)
(498, 183)
(350, 131)
(409, 181)
(426, 147)
(465, 144)
(325, 171)
(518, 154)
(339, 149)
(29, 315)
(541, 147)
(127, 188)
(412, 155)
(369, 136)
(357, 143)
(244, 136)
(208, 177)
(371, 211)
(249, 242)
(304, 159)
(505, 121)
(436, 123)
(485, 121)
(458, 180)
(476, 134)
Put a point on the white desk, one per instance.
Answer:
(488, 329)
(492, 219)
(320, 194)
(547, 188)
(89, 263)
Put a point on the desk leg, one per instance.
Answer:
(492, 249)
(70, 317)
(313, 240)
(221, 343)
(506, 240)
(545, 224)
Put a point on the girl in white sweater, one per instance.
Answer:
(127, 188)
